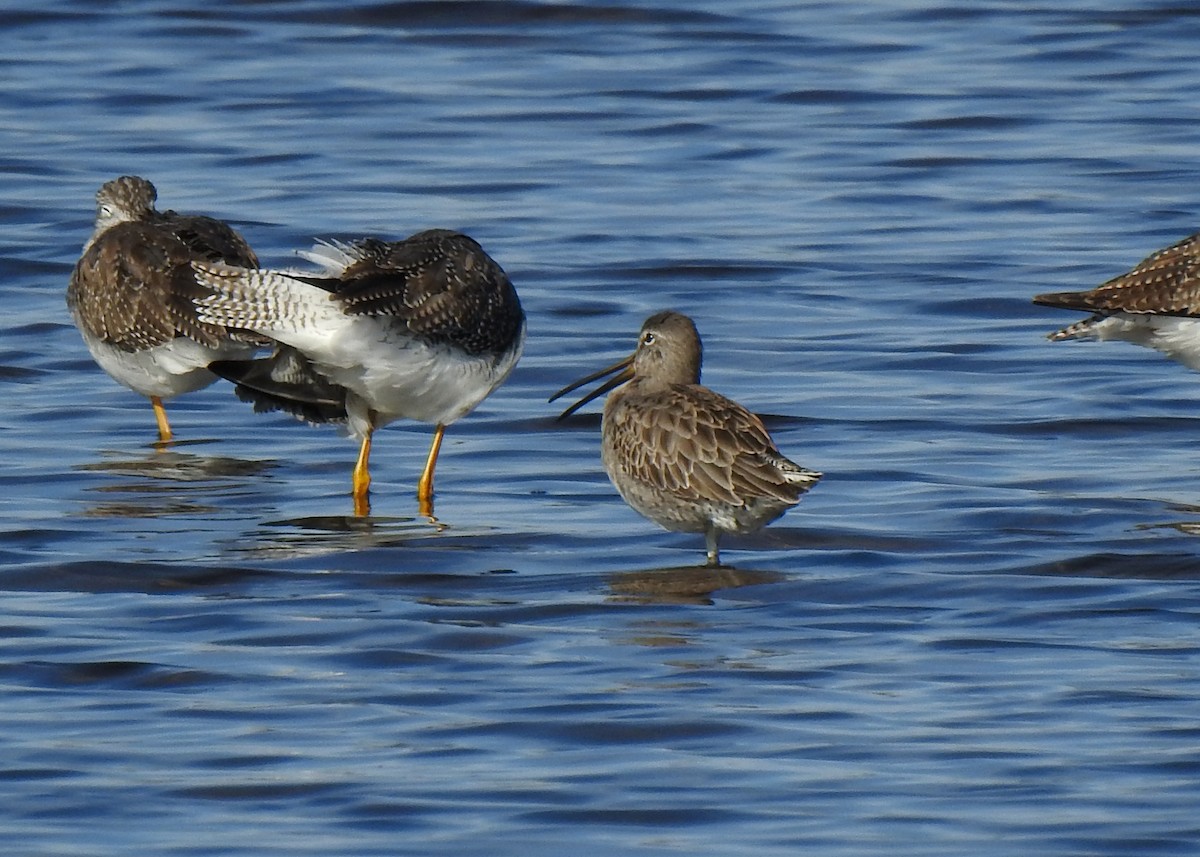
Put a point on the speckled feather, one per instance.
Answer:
(133, 286)
(1164, 283)
(423, 328)
(439, 283)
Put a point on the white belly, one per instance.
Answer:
(1178, 338)
(167, 370)
(395, 376)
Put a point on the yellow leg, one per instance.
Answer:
(160, 415)
(362, 478)
(425, 485)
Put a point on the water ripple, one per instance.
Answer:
(976, 633)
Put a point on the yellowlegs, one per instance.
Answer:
(131, 289)
(1156, 304)
(683, 456)
(425, 329)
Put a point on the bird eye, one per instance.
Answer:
(647, 338)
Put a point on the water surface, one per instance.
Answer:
(977, 634)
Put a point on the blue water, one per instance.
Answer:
(977, 635)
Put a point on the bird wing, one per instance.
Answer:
(439, 284)
(698, 445)
(134, 285)
(1164, 283)
(123, 289)
(285, 381)
(209, 239)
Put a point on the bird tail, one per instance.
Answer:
(1085, 329)
(333, 257)
(262, 300)
(802, 478)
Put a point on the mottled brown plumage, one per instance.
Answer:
(683, 456)
(131, 294)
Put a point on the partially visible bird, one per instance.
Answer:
(1155, 304)
(683, 456)
(425, 329)
(131, 295)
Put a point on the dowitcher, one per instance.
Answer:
(683, 456)
(130, 294)
(425, 329)
(1155, 304)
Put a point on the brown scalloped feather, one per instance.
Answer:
(697, 445)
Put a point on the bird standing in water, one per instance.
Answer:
(131, 291)
(683, 456)
(425, 329)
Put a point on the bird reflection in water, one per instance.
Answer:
(684, 585)
(166, 482)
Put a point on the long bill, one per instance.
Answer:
(624, 367)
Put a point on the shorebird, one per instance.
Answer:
(130, 295)
(425, 329)
(683, 456)
(1155, 304)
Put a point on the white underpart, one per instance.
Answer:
(167, 370)
(386, 371)
(1178, 338)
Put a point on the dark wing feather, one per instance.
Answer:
(285, 381)
(209, 239)
(440, 284)
(1164, 283)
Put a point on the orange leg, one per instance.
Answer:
(362, 478)
(160, 415)
(425, 485)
